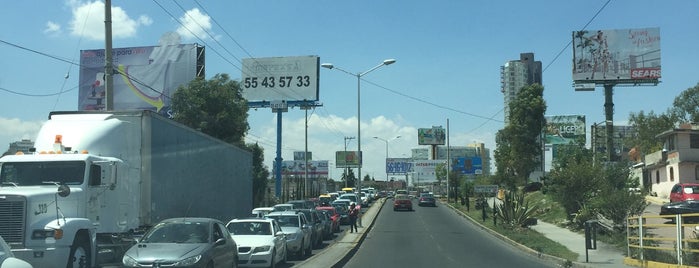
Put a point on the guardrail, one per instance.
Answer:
(651, 239)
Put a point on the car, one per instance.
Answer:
(352, 197)
(7, 258)
(333, 215)
(344, 202)
(684, 191)
(261, 211)
(296, 230)
(402, 202)
(343, 211)
(682, 207)
(427, 201)
(178, 242)
(302, 204)
(282, 207)
(261, 242)
(317, 225)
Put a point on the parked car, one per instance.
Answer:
(317, 225)
(261, 242)
(343, 211)
(190, 242)
(684, 191)
(302, 204)
(427, 201)
(297, 231)
(334, 217)
(261, 211)
(7, 258)
(283, 207)
(682, 207)
(402, 202)
(352, 197)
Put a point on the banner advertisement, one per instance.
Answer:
(145, 78)
(468, 165)
(398, 166)
(425, 170)
(431, 136)
(280, 78)
(348, 159)
(299, 155)
(318, 167)
(622, 56)
(565, 129)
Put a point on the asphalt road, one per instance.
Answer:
(434, 237)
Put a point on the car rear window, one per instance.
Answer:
(691, 189)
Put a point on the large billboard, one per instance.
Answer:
(280, 79)
(628, 56)
(468, 165)
(297, 167)
(396, 166)
(564, 129)
(348, 159)
(431, 136)
(424, 171)
(145, 78)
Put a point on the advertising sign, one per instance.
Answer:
(280, 78)
(348, 159)
(299, 167)
(145, 78)
(431, 136)
(395, 166)
(564, 129)
(468, 165)
(298, 155)
(485, 189)
(425, 170)
(621, 56)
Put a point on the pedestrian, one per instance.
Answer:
(353, 213)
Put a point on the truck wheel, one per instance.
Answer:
(79, 254)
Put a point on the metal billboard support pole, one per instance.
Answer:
(609, 117)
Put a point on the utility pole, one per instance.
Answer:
(346, 168)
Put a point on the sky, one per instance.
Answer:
(448, 57)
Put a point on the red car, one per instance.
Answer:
(402, 202)
(334, 216)
(684, 191)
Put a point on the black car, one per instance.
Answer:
(427, 201)
(682, 207)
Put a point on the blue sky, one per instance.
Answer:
(448, 56)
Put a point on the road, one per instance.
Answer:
(434, 237)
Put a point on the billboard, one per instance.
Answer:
(395, 166)
(296, 167)
(620, 56)
(348, 159)
(564, 129)
(431, 136)
(299, 155)
(468, 165)
(145, 78)
(425, 170)
(280, 79)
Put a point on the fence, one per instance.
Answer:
(669, 239)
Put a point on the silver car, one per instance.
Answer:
(7, 258)
(190, 242)
(297, 231)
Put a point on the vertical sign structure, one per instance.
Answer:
(431, 136)
(145, 77)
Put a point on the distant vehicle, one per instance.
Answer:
(349, 190)
(302, 204)
(400, 191)
(684, 191)
(682, 207)
(402, 202)
(261, 242)
(427, 201)
(353, 197)
(334, 217)
(343, 211)
(261, 211)
(297, 232)
(8, 260)
(283, 207)
(180, 242)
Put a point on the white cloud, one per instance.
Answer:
(88, 21)
(52, 28)
(15, 130)
(195, 24)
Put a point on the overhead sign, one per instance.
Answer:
(395, 166)
(348, 159)
(626, 56)
(431, 136)
(280, 78)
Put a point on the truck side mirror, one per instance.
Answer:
(63, 190)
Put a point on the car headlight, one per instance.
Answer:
(188, 261)
(129, 262)
(48, 233)
(262, 249)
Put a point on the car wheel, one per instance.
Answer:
(286, 256)
(273, 261)
(309, 249)
(79, 253)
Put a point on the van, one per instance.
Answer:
(684, 191)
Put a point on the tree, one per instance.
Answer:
(519, 143)
(259, 174)
(686, 105)
(647, 126)
(215, 107)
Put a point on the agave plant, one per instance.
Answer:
(514, 211)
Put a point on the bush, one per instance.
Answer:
(533, 187)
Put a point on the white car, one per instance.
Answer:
(261, 211)
(261, 242)
(8, 260)
(297, 230)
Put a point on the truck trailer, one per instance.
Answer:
(94, 181)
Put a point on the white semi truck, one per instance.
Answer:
(98, 179)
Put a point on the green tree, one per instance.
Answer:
(574, 179)
(686, 105)
(260, 173)
(519, 143)
(647, 126)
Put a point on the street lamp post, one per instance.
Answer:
(359, 99)
(386, 141)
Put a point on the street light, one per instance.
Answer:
(359, 127)
(386, 141)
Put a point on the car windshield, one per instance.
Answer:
(286, 221)
(178, 232)
(250, 228)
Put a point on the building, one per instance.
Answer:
(20, 146)
(677, 162)
(516, 74)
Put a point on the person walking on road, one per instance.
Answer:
(353, 214)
